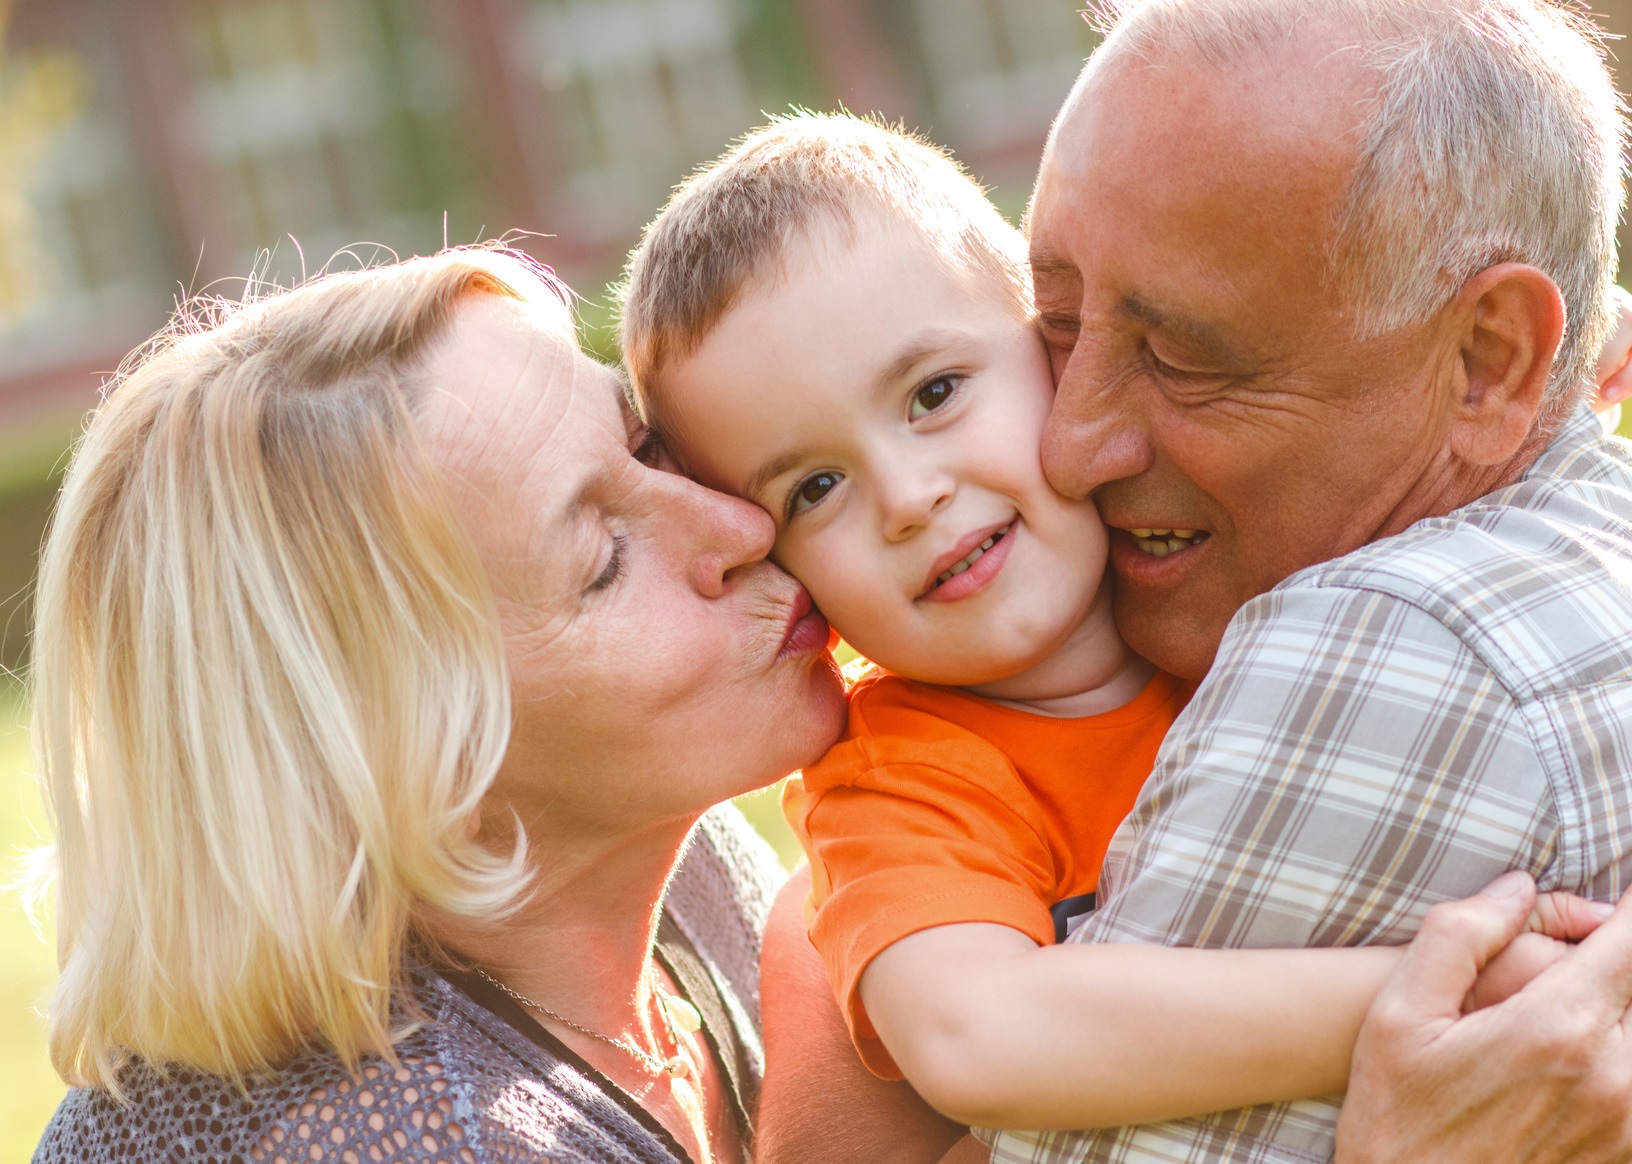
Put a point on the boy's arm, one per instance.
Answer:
(819, 1103)
(995, 1030)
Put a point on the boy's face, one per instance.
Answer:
(887, 411)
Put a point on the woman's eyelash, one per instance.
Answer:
(614, 567)
(651, 444)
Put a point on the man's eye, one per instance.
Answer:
(1060, 328)
(1167, 371)
(811, 490)
(931, 396)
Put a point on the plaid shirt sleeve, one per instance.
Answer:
(1349, 763)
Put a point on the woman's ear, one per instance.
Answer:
(1512, 322)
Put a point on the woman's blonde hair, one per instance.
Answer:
(268, 678)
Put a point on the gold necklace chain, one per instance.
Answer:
(675, 1011)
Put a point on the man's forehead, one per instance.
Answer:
(1313, 86)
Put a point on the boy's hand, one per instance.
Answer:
(1613, 374)
(1557, 921)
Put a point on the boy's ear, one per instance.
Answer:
(1511, 318)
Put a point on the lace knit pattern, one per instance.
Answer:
(469, 1089)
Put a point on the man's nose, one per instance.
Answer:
(1097, 431)
(717, 533)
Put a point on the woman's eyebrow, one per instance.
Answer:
(770, 471)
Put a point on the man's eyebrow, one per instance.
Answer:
(1196, 333)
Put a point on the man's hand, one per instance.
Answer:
(1557, 921)
(819, 1103)
(1545, 1076)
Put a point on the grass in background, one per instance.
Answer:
(764, 811)
(27, 958)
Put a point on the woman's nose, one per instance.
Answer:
(720, 534)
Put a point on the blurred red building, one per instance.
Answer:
(209, 139)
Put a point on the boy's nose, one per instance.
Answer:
(911, 498)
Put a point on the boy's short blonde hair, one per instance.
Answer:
(727, 227)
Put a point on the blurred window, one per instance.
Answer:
(79, 256)
(334, 121)
(637, 92)
(998, 70)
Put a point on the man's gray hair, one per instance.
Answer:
(1496, 136)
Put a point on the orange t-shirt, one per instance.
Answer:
(941, 807)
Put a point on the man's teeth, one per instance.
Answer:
(1160, 543)
(974, 556)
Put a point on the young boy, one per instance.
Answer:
(833, 322)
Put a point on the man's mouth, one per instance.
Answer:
(1159, 543)
(972, 556)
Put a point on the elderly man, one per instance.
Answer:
(1322, 280)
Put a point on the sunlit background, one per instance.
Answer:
(151, 149)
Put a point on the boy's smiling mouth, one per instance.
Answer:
(971, 557)
(946, 571)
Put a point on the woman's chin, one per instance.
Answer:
(813, 722)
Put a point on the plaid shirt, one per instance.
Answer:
(1381, 733)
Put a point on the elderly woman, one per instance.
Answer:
(380, 684)
(384, 688)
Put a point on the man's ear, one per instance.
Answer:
(1511, 319)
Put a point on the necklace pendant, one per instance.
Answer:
(676, 1067)
(682, 1014)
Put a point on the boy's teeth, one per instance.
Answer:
(973, 556)
(1159, 543)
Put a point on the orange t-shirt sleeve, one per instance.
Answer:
(913, 822)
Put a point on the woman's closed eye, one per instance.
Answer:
(648, 447)
(614, 566)
(931, 395)
(812, 490)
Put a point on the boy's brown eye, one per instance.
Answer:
(932, 395)
(811, 490)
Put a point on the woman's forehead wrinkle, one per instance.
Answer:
(580, 459)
